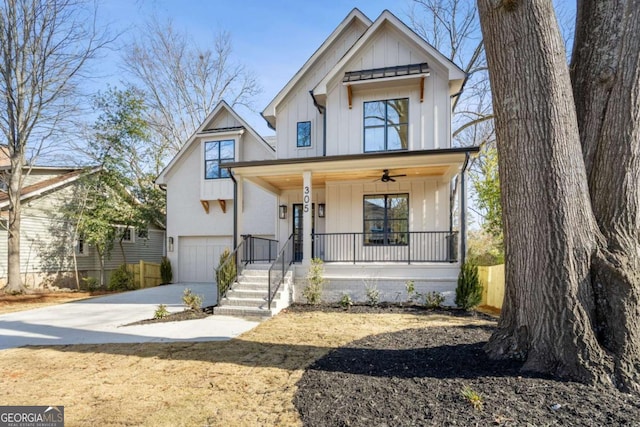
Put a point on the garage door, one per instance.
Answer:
(198, 257)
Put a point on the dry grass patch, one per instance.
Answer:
(13, 303)
(248, 381)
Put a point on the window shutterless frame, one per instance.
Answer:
(385, 219)
(386, 125)
(303, 135)
(216, 153)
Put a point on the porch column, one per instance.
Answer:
(307, 220)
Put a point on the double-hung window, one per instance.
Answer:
(304, 135)
(386, 125)
(216, 153)
(386, 219)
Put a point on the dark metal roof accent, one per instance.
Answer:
(380, 73)
(343, 157)
(222, 130)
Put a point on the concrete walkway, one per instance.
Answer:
(101, 320)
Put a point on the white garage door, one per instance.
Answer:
(199, 257)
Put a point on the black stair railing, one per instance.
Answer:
(279, 269)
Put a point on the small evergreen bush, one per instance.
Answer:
(226, 273)
(469, 289)
(121, 279)
(161, 312)
(313, 291)
(373, 294)
(166, 274)
(346, 302)
(191, 300)
(433, 299)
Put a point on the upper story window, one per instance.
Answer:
(127, 235)
(81, 246)
(386, 125)
(304, 134)
(216, 153)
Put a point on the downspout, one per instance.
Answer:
(463, 209)
(321, 110)
(235, 209)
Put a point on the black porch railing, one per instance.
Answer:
(402, 247)
(258, 249)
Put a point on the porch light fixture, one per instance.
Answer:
(321, 210)
(282, 212)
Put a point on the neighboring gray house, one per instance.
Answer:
(49, 253)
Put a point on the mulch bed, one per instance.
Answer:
(416, 377)
(187, 314)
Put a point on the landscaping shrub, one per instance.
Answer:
(121, 279)
(191, 300)
(433, 299)
(346, 302)
(313, 291)
(161, 312)
(166, 274)
(469, 289)
(226, 273)
(373, 294)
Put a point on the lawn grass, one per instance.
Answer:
(247, 381)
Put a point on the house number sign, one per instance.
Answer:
(306, 198)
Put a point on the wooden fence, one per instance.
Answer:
(492, 279)
(146, 274)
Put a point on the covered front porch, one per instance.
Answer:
(375, 208)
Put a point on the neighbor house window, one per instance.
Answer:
(125, 234)
(386, 219)
(304, 134)
(143, 233)
(386, 125)
(216, 153)
(81, 246)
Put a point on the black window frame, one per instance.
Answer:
(385, 126)
(222, 173)
(384, 235)
(298, 139)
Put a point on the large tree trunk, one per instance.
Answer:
(606, 84)
(551, 236)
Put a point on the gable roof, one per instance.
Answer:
(204, 129)
(48, 185)
(269, 113)
(455, 72)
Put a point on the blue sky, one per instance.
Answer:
(273, 39)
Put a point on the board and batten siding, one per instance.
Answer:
(298, 106)
(429, 120)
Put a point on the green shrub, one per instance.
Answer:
(373, 294)
(346, 302)
(226, 273)
(412, 295)
(315, 280)
(469, 289)
(161, 312)
(90, 283)
(166, 274)
(191, 300)
(121, 279)
(433, 299)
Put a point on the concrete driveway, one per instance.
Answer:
(102, 320)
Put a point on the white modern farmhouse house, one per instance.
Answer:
(359, 175)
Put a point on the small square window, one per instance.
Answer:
(143, 234)
(126, 234)
(304, 134)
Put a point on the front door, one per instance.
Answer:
(298, 229)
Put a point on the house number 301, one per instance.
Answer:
(307, 198)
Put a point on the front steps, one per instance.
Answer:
(249, 295)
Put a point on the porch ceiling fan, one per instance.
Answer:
(386, 177)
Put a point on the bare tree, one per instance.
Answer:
(182, 83)
(569, 155)
(44, 47)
